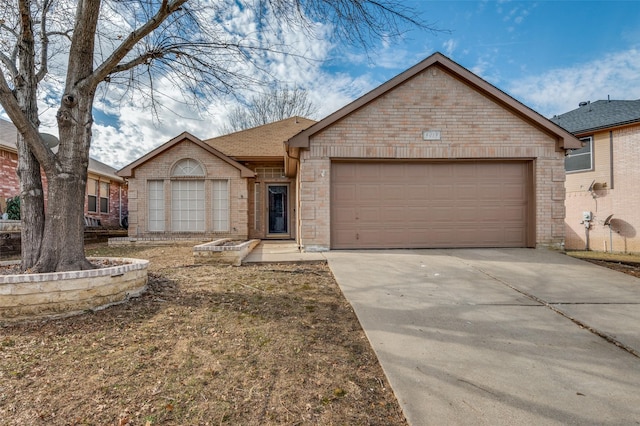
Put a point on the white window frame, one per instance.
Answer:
(105, 196)
(588, 143)
(92, 194)
(187, 205)
(156, 207)
(221, 205)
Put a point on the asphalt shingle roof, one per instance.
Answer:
(599, 115)
(262, 141)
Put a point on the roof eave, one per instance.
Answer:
(565, 140)
(584, 132)
(129, 170)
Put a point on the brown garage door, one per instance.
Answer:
(436, 204)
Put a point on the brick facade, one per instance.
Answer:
(472, 126)
(9, 184)
(161, 168)
(616, 191)
(118, 203)
(10, 187)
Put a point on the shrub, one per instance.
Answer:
(13, 208)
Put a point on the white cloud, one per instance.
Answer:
(560, 90)
(449, 47)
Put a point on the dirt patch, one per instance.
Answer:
(207, 344)
(621, 262)
(627, 268)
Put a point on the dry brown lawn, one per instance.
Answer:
(205, 345)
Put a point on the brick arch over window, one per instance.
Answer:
(187, 167)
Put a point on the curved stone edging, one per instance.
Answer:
(30, 296)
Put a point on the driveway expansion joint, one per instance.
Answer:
(576, 321)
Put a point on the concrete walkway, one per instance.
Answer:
(499, 337)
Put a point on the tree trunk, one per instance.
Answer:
(62, 247)
(31, 194)
(31, 205)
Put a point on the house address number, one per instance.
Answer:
(431, 135)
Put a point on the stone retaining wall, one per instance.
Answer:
(28, 296)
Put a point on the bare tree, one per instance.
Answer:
(277, 104)
(126, 47)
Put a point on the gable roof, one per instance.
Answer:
(565, 140)
(591, 116)
(262, 141)
(9, 136)
(129, 170)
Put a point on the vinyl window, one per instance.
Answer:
(104, 197)
(220, 205)
(156, 205)
(92, 196)
(580, 160)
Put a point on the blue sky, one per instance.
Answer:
(547, 54)
(550, 55)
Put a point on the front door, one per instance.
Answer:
(278, 210)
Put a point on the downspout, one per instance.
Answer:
(293, 162)
(611, 159)
(120, 204)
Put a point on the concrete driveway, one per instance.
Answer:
(499, 336)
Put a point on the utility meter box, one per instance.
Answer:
(586, 216)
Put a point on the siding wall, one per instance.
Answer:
(620, 196)
(160, 168)
(471, 126)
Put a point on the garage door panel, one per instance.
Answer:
(437, 204)
(392, 192)
(440, 191)
(344, 192)
(440, 171)
(466, 191)
(368, 193)
(372, 214)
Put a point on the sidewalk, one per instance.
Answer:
(281, 251)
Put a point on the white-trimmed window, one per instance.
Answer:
(156, 205)
(187, 197)
(580, 160)
(220, 205)
(92, 195)
(187, 206)
(104, 197)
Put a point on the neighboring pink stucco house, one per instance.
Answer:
(603, 177)
(435, 157)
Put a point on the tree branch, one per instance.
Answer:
(166, 9)
(44, 39)
(11, 106)
(11, 65)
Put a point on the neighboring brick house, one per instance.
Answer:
(603, 176)
(106, 201)
(435, 157)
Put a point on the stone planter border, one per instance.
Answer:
(216, 252)
(7, 225)
(57, 294)
(151, 241)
